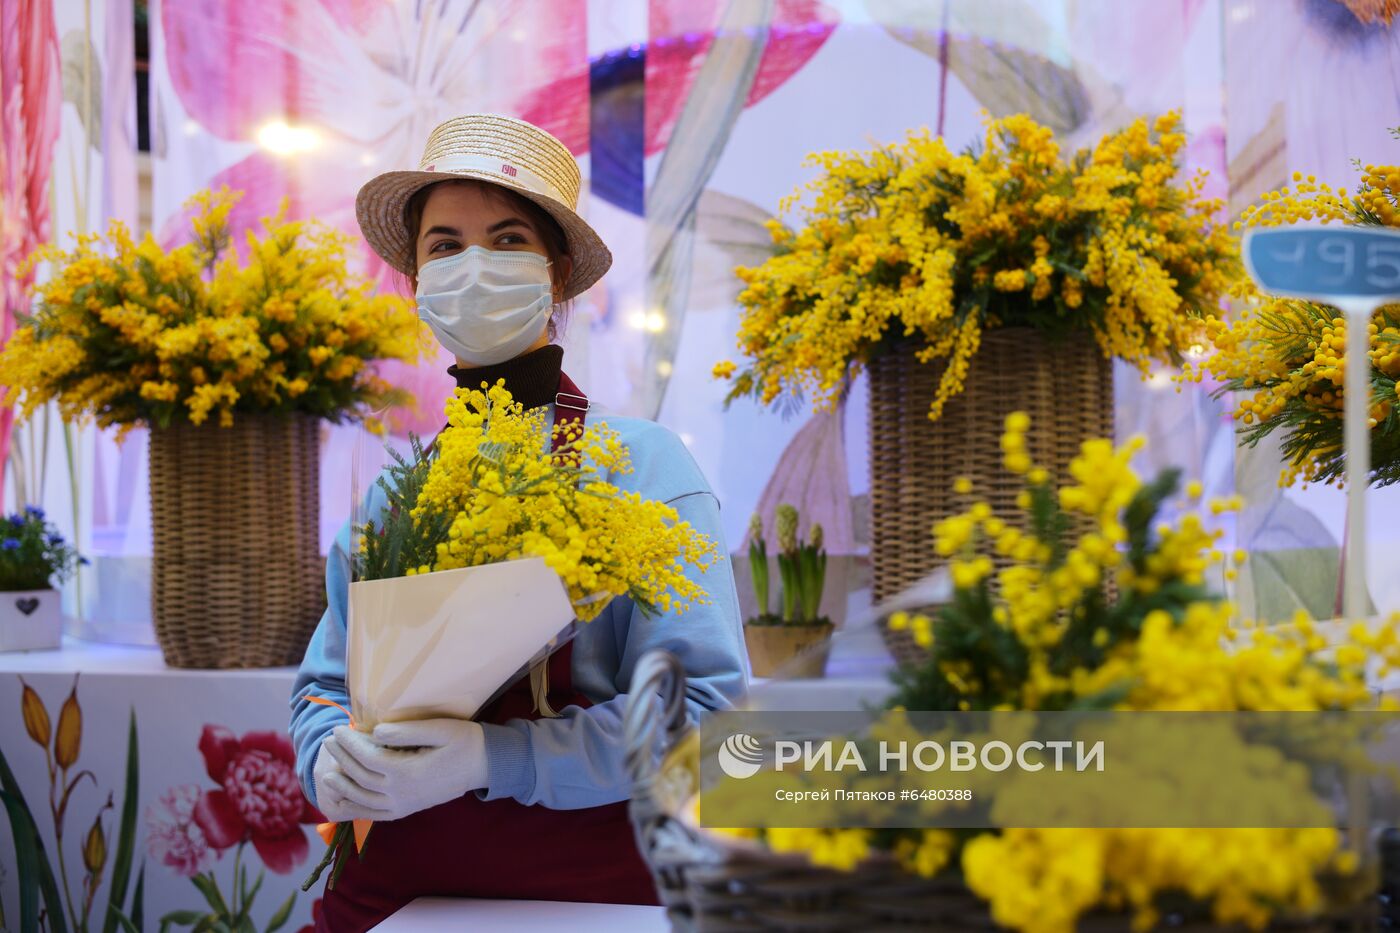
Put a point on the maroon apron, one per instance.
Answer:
(500, 848)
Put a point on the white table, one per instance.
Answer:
(450, 915)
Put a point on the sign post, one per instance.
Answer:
(1356, 270)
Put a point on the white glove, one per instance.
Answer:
(338, 797)
(406, 766)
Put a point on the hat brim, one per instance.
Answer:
(379, 207)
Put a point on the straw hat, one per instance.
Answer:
(496, 149)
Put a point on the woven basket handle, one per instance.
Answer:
(659, 680)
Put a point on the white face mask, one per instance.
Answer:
(486, 306)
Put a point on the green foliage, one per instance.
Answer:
(335, 857)
(126, 842)
(227, 916)
(758, 564)
(400, 540)
(36, 877)
(977, 662)
(1311, 425)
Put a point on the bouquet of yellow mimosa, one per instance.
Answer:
(485, 547)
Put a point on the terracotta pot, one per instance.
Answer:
(789, 650)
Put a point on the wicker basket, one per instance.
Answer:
(710, 885)
(1065, 386)
(707, 886)
(237, 574)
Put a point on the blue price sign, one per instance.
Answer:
(1326, 263)
(1355, 269)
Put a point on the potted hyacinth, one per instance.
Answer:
(34, 559)
(797, 640)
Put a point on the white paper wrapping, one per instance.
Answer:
(442, 644)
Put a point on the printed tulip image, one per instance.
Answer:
(70, 731)
(94, 858)
(95, 845)
(54, 895)
(36, 717)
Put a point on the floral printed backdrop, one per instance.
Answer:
(691, 119)
(152, 809)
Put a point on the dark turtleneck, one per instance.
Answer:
(532, 378)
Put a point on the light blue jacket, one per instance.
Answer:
(575, 760)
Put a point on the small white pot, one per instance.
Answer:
(30, 620)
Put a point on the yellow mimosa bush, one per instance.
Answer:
(129, 333)
(915, 242)
(1048, 632)
(1286, 359)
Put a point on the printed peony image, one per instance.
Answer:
(173, 838)
(258, 799)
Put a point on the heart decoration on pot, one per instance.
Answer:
(27, 605)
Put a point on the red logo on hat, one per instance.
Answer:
(509, 170)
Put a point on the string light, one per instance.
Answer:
(653, 322)
(282, 138)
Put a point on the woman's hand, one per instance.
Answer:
(402, 768)
(339, 796)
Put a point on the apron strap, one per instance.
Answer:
(570, 406)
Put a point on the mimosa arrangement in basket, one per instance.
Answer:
(916, 242)
(231, 354)
(1286, 357)
(132, 333)
(491, 524)
(1047, 632)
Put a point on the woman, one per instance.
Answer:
(520, 804)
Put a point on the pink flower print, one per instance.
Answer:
(681, 36)
(31, 96)
(173, 838)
